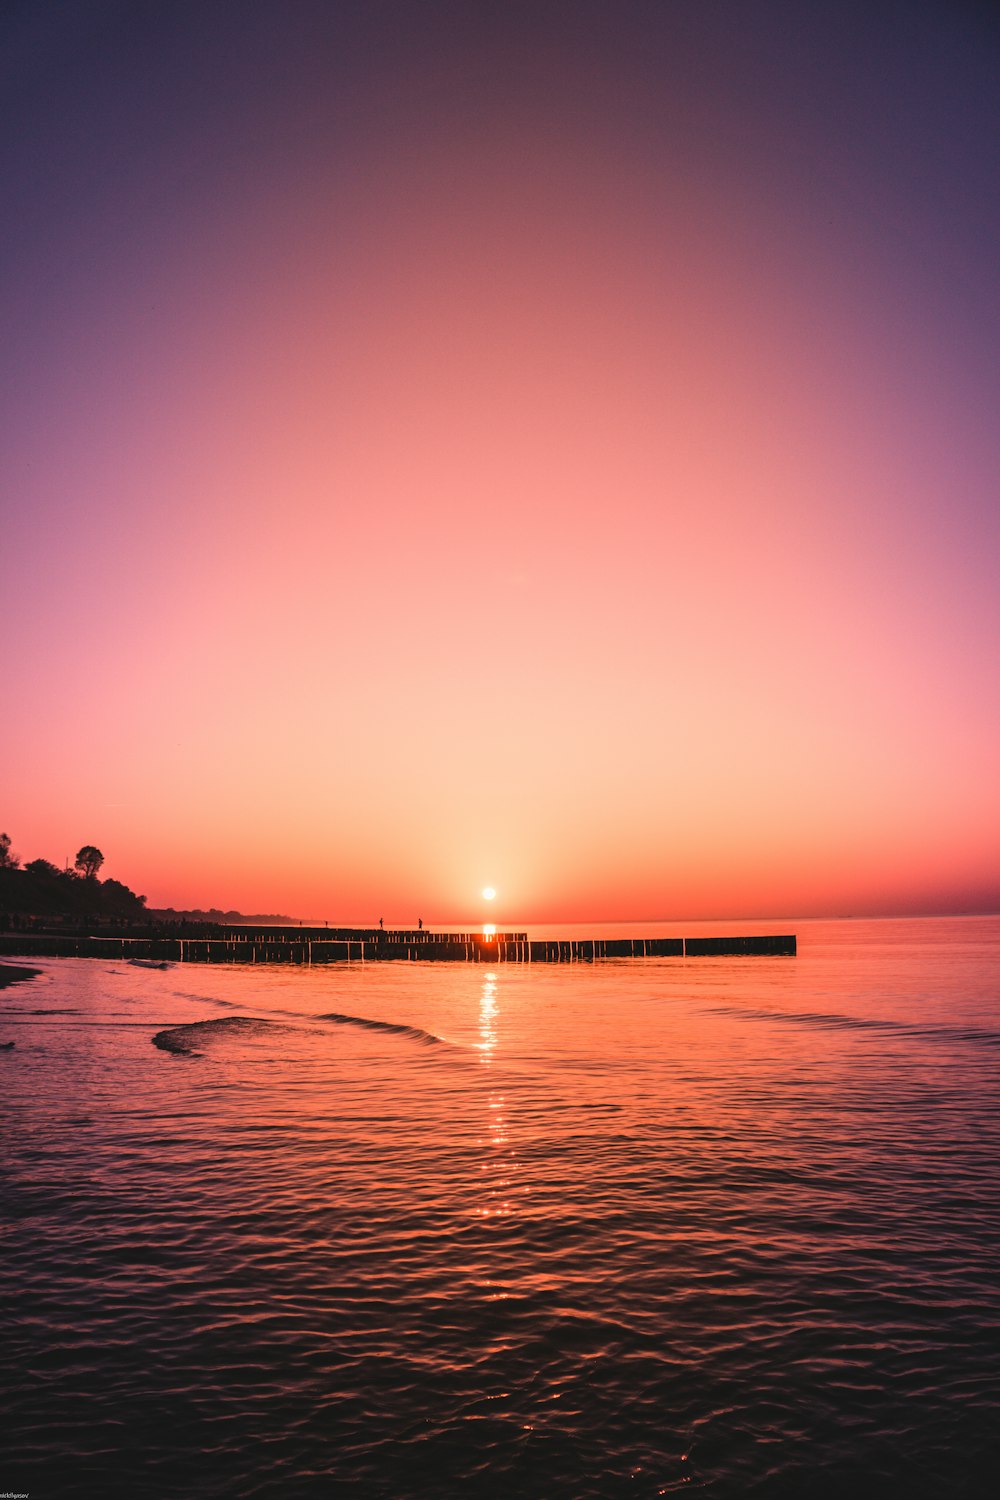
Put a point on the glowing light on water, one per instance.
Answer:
(487, 1015)
(500, 1164)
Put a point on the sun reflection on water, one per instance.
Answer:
(501, 1164)
(487, 1016)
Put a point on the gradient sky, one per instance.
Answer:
(552, 446)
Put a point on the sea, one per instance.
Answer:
(637, 1227)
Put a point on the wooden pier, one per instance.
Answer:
(324, 945)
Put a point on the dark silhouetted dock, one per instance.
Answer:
(324, 945)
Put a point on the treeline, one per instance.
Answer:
(38, 892)
(216, 918)
(40, 889)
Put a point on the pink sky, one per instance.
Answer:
(533, 503)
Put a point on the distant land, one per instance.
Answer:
(43, 892)
(38, 890)
(214, 916)
(60, 896)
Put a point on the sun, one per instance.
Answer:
(488, 893)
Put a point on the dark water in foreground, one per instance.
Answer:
(719, 1226)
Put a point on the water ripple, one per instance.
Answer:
(832, 1022)
(600, 1245)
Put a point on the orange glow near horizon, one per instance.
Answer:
(623, 415)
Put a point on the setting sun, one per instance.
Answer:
(488, 893)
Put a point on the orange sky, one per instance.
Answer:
(532, 488)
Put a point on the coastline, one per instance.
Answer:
(15, 974)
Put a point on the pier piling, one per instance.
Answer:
(276, 945)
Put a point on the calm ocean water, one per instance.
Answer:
(639, 1228)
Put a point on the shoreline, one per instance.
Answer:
(15, 974)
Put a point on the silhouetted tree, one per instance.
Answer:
(88, 861)
(8, 861)
(42, 867)
(116, 895)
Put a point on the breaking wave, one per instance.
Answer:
(183, 1040)
(427, 1038)
(186, 1040)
